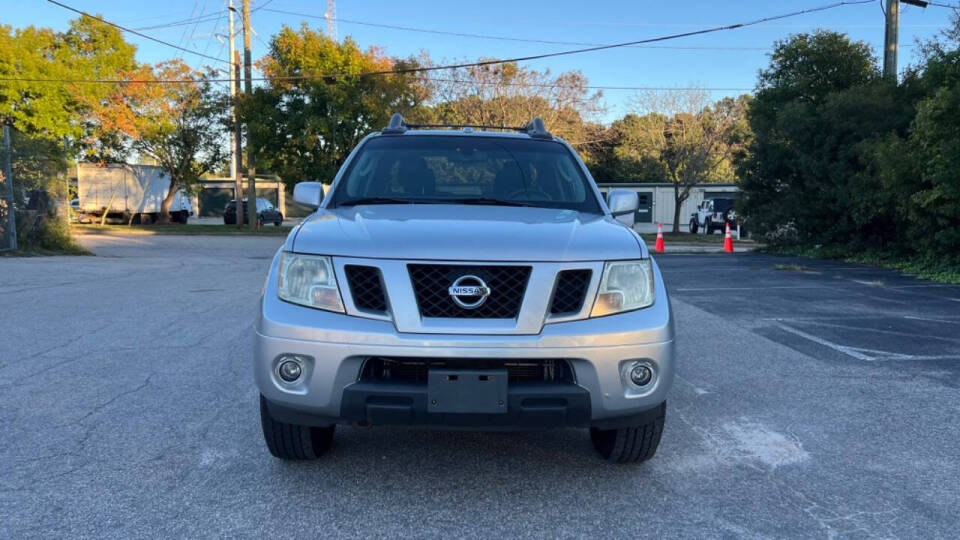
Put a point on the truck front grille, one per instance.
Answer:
(431, 284)
(366, 287)
(415, 369)
(569, 291)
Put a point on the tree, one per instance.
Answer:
(682, 139)
(811, 175)
(88, 50)
(179, 124)
(316, 107)
(49, 118)
(511, 95)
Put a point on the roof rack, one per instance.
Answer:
(535, 128)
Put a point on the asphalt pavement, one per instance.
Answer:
(813, 401)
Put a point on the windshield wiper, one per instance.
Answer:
(487, 201)
(376, 200)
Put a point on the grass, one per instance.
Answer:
(48, 237)
(687, 238)
(917, 266)
(218, 230)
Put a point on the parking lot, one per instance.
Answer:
(814, 399)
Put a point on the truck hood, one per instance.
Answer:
(464, 232)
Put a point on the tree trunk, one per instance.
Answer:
(677, 205)
(168, 201)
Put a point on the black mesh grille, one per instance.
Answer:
(366, 287)
(417, 369)
(569, 291)
(507, 284)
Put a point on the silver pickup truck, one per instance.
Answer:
(464, 279)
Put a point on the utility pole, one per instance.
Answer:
(891, 41)
(235, 141)
(248, 89)
(8, 180)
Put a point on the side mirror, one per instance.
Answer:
(308, 194)
(623, 201)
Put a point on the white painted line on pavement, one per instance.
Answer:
(753, 288)
(849, 351)
(860, 354)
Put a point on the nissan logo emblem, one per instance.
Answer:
(469, 292)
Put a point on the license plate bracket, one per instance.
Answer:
(467, 391)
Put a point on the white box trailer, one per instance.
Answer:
(128, 192)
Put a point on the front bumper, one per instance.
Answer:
(334, 348)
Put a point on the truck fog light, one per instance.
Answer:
(289, 370)
(640, 375)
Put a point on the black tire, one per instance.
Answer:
(630, 444)
(693, 226)
(279, 220)
(289, 441)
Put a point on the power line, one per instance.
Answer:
(497, 38)
(203, 18)
(134, 32)
(184, 22)
(427, 79)
(483, 63)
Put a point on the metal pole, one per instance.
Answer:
(891, 39)
(248, 90)
(8, 179)
(235, 141)
(238, 142)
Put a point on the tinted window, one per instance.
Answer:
(439, 169)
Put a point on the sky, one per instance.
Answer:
(726, 62)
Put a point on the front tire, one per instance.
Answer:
(633, 444)
(293, 442)
(693, 226)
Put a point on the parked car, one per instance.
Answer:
(466, 280)
(266, 212)
(714, 214)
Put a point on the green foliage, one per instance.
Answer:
(847, 161)
(303, 129)
(51, 120)
(88, 50)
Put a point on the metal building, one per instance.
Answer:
(656, 202)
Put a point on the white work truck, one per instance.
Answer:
(132, 193)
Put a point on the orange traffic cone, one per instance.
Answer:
(728, 241)
(659, 245)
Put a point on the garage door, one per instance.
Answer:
(213, 200)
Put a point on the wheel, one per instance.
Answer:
(630, 444)
(279, 220)
(289, 441)
(693, 226)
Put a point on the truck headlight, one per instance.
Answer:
(308, 280)
(625, 286)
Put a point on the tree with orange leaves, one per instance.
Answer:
(173, 115)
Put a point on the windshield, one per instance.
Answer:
(465, 170)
